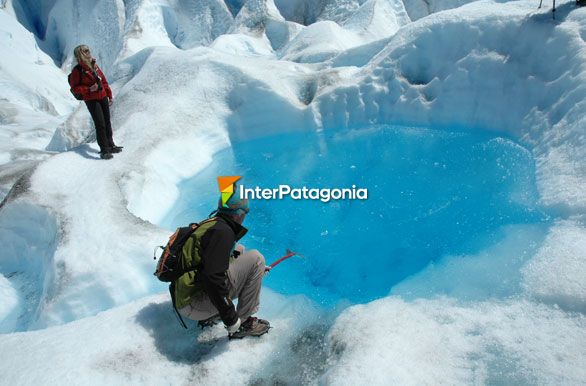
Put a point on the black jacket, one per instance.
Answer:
(217, 244)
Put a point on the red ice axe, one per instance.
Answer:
(288, 254)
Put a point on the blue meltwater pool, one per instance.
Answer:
(431, 193)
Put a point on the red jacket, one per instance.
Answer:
(82, 85)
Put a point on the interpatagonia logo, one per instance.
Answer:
(226, 185)
(303, 193)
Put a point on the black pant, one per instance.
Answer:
(100, 112)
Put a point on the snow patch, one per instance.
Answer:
(556, 274)
(512, 342)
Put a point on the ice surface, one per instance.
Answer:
(421, 8)
(145, 345)
(431, 341)
(372, 21)
(556, 273)
(77, 233)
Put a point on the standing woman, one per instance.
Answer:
(88, 82)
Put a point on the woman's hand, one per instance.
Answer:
(110, 101)
(94, 87)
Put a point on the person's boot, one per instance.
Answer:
(105, 155)
(116, 149)
(251, 327)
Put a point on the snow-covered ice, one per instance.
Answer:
(79, 302)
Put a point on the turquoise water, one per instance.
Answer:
(430, 194)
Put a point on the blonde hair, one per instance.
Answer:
(77, 52)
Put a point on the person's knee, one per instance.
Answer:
(257, 256)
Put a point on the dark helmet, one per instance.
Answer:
(235, 205)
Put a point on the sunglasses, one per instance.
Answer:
(86, 50)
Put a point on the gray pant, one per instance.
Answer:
(244, 280)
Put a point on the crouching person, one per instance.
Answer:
(226, 271)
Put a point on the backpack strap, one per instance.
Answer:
(172, 292)
(194, 227)
(80, 70)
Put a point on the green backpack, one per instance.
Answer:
(169, 267)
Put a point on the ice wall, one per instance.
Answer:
(29, 236)
(487, 80)
(33, 100)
